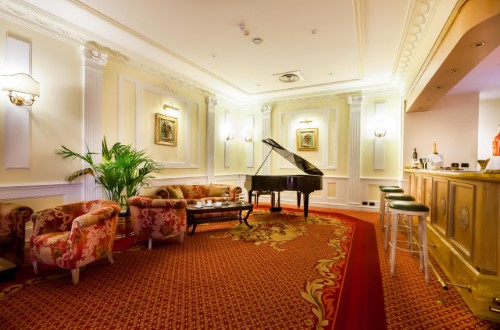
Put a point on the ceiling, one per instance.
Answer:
(331, 45)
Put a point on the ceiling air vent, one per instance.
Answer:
(289, 77)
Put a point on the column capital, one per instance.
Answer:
(211, 103)
(355, 101)
(266, 108)
(93, 58)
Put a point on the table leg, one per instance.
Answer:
(192, 230)
(246, 218)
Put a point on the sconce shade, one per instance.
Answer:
(22, 88)
(380, 130)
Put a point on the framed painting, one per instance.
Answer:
(166, 130)
(307, 139)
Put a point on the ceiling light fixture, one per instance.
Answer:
(257, 41)
(453, 70)
(478, 44)
(289, 77)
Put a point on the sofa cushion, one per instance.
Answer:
(163, 193)
(217, 191)
(175, 193)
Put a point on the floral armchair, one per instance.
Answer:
(158, 218)
(73, 235)
(13, 218)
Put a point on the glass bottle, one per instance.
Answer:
(496, 143)
(435, 149)
(415, 155)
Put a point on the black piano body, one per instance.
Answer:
(302, 184)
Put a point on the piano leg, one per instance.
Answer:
(298, 198)
(306, 205)
(274, 207)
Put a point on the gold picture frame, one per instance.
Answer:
(307, 139)
(165, 130)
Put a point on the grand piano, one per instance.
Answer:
(302, 184)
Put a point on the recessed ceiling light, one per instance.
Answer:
(290, 76)
(257, 41)
(453, 70)
(478, 44)
(314, 31)
(212, 55)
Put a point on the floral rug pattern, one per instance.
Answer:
(276, 229)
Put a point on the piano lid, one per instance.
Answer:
(296, 160)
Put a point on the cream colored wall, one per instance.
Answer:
(285, 119)
(56, 117)
(392, 140)
(134, 97)
(452, 123)
(239, 151)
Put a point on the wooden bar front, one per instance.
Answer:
(464, 232)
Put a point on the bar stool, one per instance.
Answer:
(383, 191)
(389, 197)
(411, 209)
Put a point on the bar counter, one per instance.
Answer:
(464, 232)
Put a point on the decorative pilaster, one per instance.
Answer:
(93, 65)
(266, 134)
(354, 194)
(211, 104)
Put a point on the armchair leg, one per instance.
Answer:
(75, 275)
(110, 257)
(150, 243)
(181, 237)
(35, 267)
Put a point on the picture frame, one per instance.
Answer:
(166, 130)
(307, 139)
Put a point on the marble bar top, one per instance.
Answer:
(457, 174)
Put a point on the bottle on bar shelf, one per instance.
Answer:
(435, 149)
(496, 143)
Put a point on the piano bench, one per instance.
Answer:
(257, 194)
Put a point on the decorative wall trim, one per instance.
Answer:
(327, 138)
(354, 148)
(189, 112)
(17, 125)
(93, 64)
(71, 192)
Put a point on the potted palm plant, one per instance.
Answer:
(122, 172)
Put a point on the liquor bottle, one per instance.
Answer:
(496, 143)
(435, 149)
(415, 155)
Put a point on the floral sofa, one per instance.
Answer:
(162, 215)
(13, 218)
(73, 235)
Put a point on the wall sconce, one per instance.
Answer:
(170, 106)
(248, 135)
(229, 136)
(379, 130)
(22, 88)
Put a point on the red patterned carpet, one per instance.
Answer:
(331, 272)
(283, 274)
